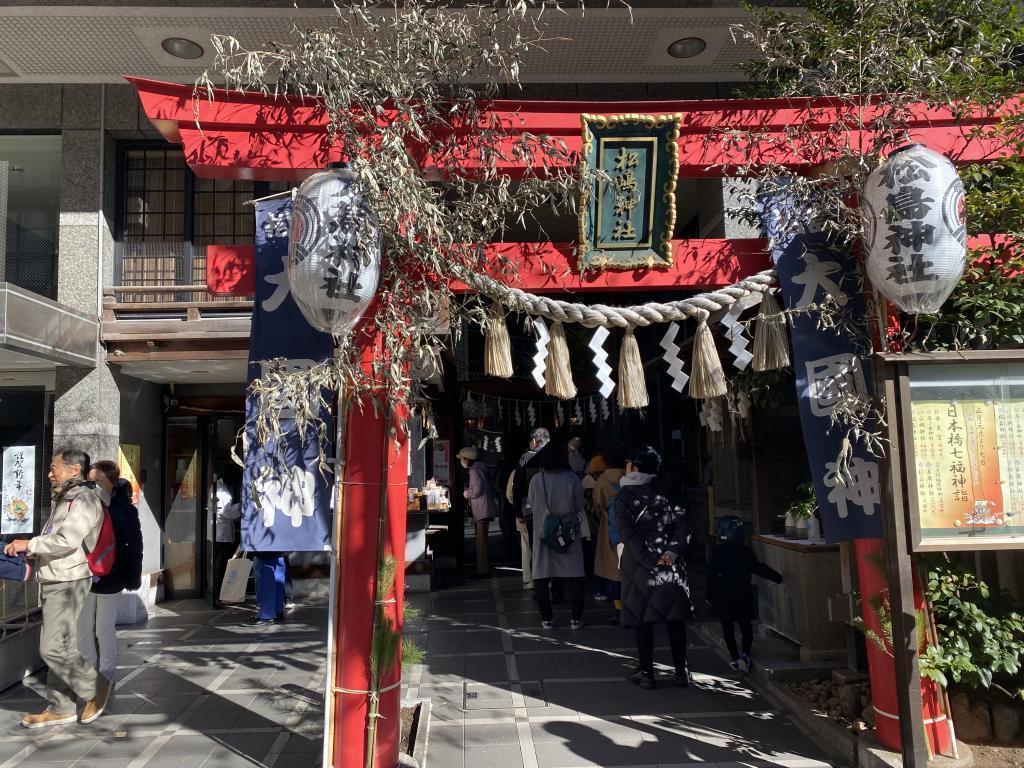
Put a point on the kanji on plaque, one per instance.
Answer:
(627, 216)
(968, 456)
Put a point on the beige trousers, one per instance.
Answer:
(68, 673)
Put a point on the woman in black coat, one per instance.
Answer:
(97, 640)
(653, 532)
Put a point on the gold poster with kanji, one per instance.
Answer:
(129, 461)
(969, 457)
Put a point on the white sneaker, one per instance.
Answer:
(547, 625)
(734, 665)
(576, 624)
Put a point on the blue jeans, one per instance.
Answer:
(269, 571)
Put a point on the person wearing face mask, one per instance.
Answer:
(480, 494)
(97, 636)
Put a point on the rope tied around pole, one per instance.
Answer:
(374, 713)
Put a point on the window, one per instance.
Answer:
(168, 217)
(30, 174)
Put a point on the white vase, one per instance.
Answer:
(790, 526)
(814, 530)
(802, 528)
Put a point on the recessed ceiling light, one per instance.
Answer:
(687, 47)
(182, 48)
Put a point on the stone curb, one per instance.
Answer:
(418, 759)
(833, 739)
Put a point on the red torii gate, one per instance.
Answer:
(251, 136)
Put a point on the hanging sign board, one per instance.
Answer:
(628, 215)
(828, 362)
(19, 490)
(286, 496)
(964, 453)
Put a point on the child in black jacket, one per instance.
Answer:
(729, 590)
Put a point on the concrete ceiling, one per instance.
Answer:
(86, 43)
(189, 371)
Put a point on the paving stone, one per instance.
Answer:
(497, 755)
(494, 733)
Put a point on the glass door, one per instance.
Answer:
(184, 497)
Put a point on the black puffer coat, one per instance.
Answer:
(649, 525)
(127, 570)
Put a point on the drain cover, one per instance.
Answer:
(501, 695)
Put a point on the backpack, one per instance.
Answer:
(101, 559)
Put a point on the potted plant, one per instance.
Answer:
(800, 511)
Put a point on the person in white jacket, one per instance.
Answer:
(226, 511)
(64, 582)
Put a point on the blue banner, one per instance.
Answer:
(829, 364)
(286, 498)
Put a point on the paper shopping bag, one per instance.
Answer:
(236, 576)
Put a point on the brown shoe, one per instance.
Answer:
(94, 708)
(46, 718)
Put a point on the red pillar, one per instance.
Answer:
(376, 452)
(870, 555)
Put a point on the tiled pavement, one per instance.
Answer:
(195, 690)
(506, 694)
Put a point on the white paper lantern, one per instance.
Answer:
(333, 252)
(916, 236)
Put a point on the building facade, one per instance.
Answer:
(110, 341)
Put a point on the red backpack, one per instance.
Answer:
(101, 559)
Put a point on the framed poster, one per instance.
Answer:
(129, 461)
(442, 462)
(962, 447)
(19, 490)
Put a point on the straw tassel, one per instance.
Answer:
(632, 386)
(497, 348)
(558, 375)
(771, 347)
(707, 379)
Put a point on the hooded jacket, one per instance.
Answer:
(127, 570)
(73, 527)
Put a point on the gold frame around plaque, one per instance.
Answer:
(664, 246)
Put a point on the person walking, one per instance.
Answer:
(606, 555)
(269, 572)
(222, 504)
(557, 493)
(480, 494)
(97, 637)
(729, 589)
(529, 465)
(654, 534)
(62, 571)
